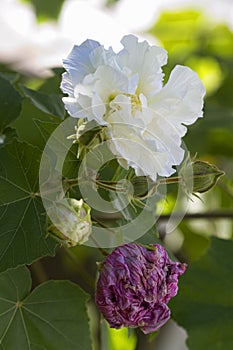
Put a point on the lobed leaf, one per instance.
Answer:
(22, 215)
(52, 317)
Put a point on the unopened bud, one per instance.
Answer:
(71, 221)
(200, 176)
(87, 135)
(143, 187)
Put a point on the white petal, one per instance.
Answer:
(80, 108)
(146, 61)
(142, 155)
(78, 62)
(72, 106)
(100, 56)
(66, 85)
(111, 82)
(181, 99)
(98, 109)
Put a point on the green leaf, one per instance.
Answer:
(71, 163)
(31, 134)
(52, 317)
(22, 215)
(204, 304)
(47, 103)
(180, 31)
(7, 136)
(45, 128)
(47, 9)
(52, 84)
(195, 243)
(10, 102)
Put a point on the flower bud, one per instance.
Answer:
(71, 221)
(199, 176)
(135, 285)
(143, 187)
(87, 134)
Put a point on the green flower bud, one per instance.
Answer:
(71, 221)
(87, 134)
(143, 187)
(199, 176)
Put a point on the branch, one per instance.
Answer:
(208, 215)
(221, 214)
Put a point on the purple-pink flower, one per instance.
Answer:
(135, 285)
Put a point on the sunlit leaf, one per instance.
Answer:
(204, 304)
(180, 31)
(47, 9)
(52, 317)
(22, 215)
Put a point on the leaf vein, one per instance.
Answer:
(49, 324)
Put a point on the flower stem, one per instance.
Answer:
(82, 272)
(170, 180)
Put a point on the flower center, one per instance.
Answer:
(135, 103)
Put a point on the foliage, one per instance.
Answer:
(45, 317)
(47, 9)
(52, 315)
(204, 303)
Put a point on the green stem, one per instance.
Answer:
(82, 272)
(170, 180)
(38, 270)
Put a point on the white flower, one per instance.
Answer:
(124, 91)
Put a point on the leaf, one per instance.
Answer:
(52, 84)
(180, 31)
(45, 128)
(47, 9)
(71, 163)
(7, 136)
(47, 103)
(52, 317)
(22, 215)
(10, 102)
(195, 244)
(204, 304)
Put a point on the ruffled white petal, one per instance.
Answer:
(127, 142)
(144, 60)
(78, 63)
(66, 85)
(98, 109)
(80, 108)
(180, 101)
(115, 82)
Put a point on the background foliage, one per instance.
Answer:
(39, 313)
